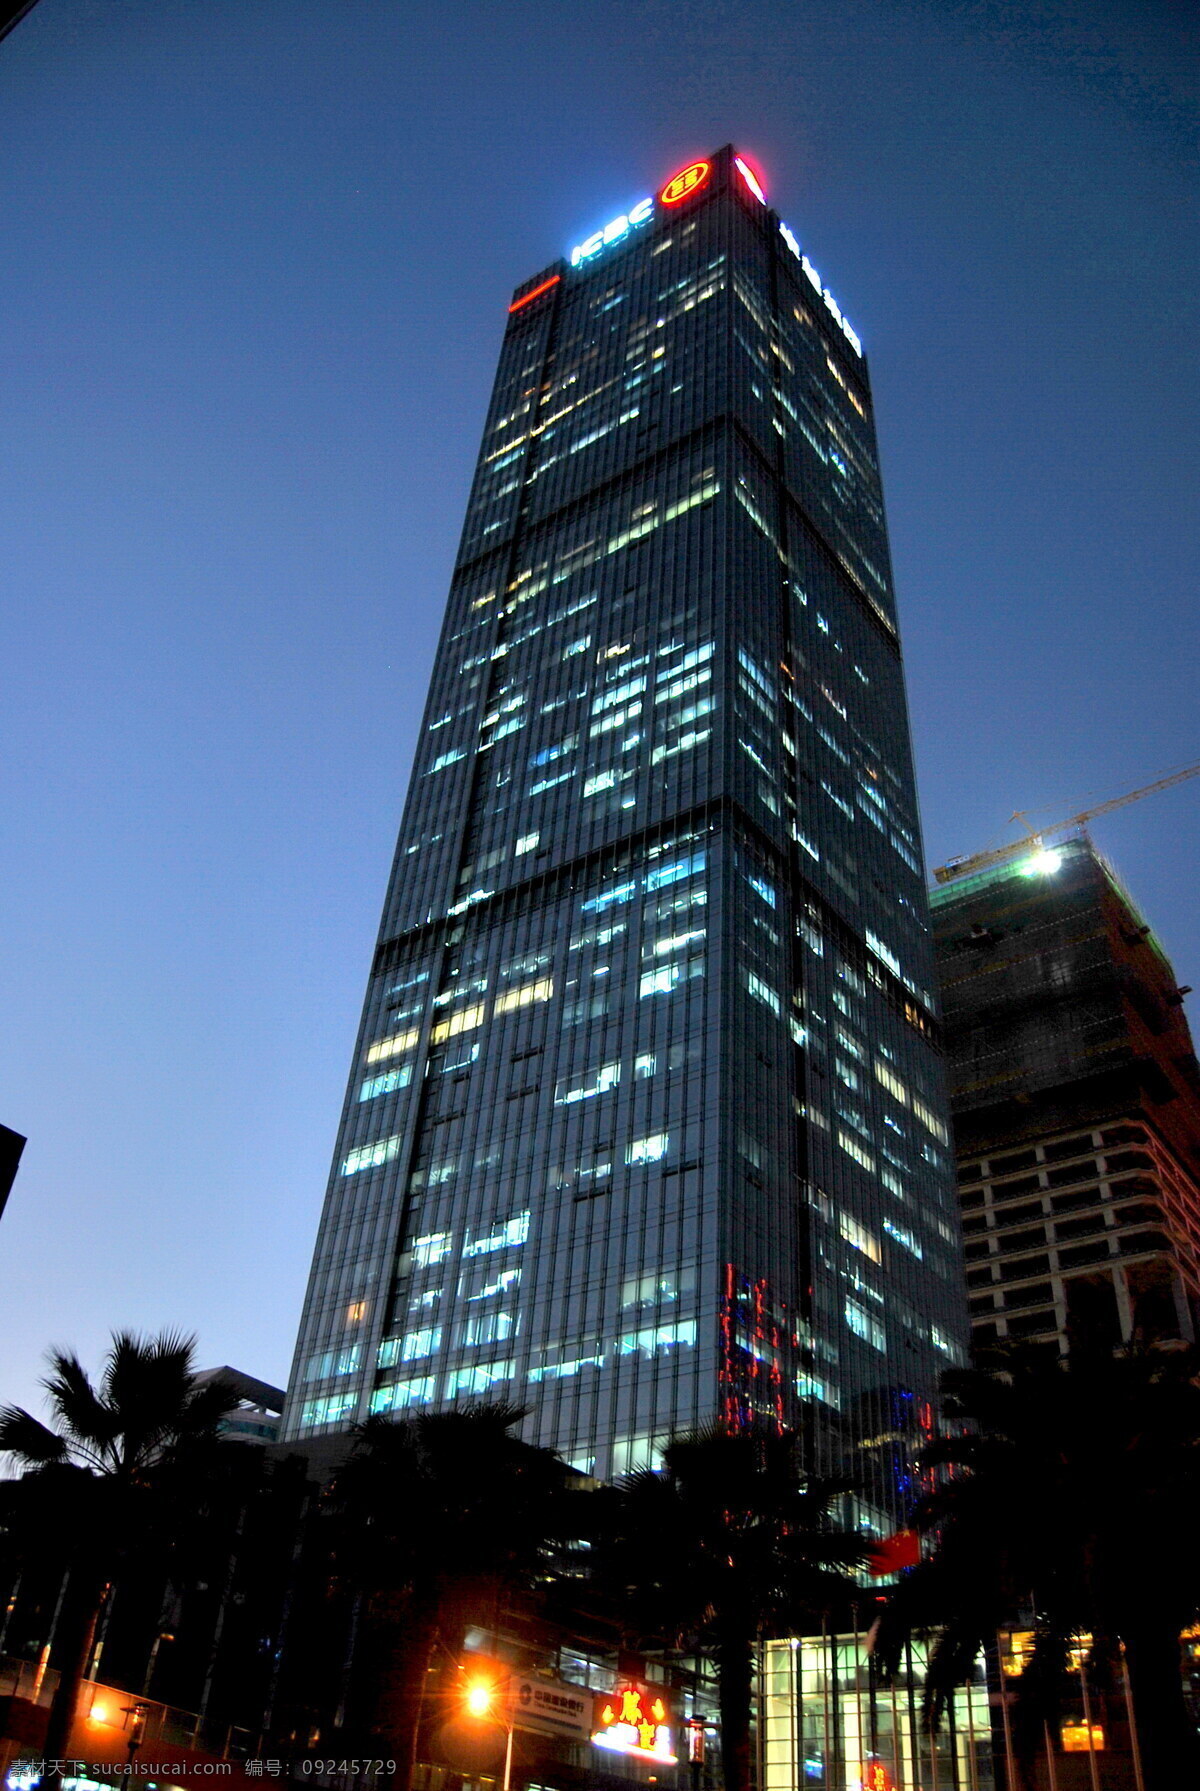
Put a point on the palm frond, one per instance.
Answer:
(31, 1441)
(84, 1419)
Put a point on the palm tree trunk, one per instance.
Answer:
(72, 1664)
(1170, 1749)
(413, 1684)
(389, 1686)
(734, 1661)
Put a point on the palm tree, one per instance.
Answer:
(438, 1515)
(727, 1544)
(108, 1459)
(1074, 1492)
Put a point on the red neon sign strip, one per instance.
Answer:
(688, 181)
(528, 298)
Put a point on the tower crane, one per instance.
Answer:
(980, 861)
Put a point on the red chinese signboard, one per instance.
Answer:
(636, 1719)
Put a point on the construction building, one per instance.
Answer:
(1076, 1098)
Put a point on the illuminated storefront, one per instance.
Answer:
(830, 1725)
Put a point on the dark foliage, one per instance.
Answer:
(728, 1544)
(111, 1467)
(435, 1520)
(1072, 1496)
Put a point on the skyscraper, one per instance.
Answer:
(646, 1124)
(1076, 1104)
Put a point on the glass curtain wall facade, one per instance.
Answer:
(646, 1123)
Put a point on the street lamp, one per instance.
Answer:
(137, 1728)
(489, 1698)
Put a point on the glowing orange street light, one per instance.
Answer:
(488, 1698)
(479, 1698)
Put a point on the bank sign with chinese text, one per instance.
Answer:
(550, 1706)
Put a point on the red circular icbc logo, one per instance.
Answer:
(687, 181)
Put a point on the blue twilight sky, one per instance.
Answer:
(256, 260)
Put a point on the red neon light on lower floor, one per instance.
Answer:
(528, 297)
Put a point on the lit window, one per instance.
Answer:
(809, 1387)
(620, 892)
(501, 1283)
(658, 1340)
(332, 1362)
(632, 1453)
(681, 686)
(371, 1156)
(549, 783)
(648, 1150)
(393, 1046)
(895, 1087)
(876, 944)
(660, 1288)
(853, 1149)
(673, 942)
(489, 1327)
(763, 992)
(605, 781)
(582, 1088)
(479, 1379)
(905, 1238)
(930, 1121)
(859, 1237)
(526, 843)
(446, 758)
(507, 1235)
(762, 888)
(403, 1393)
(412, 982)
(644, 1065)
(617, 719)
(464, 1021)
(525, 963)
(330, 1410)
(612, 699)
(659, 982)
(549, 753)
(696, 657)
(673, 873)
(683, 745)
(409, 1348)
(386, 1084)
(542, 990)
(599, 935)
(865, 1326)
(434, 1247)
